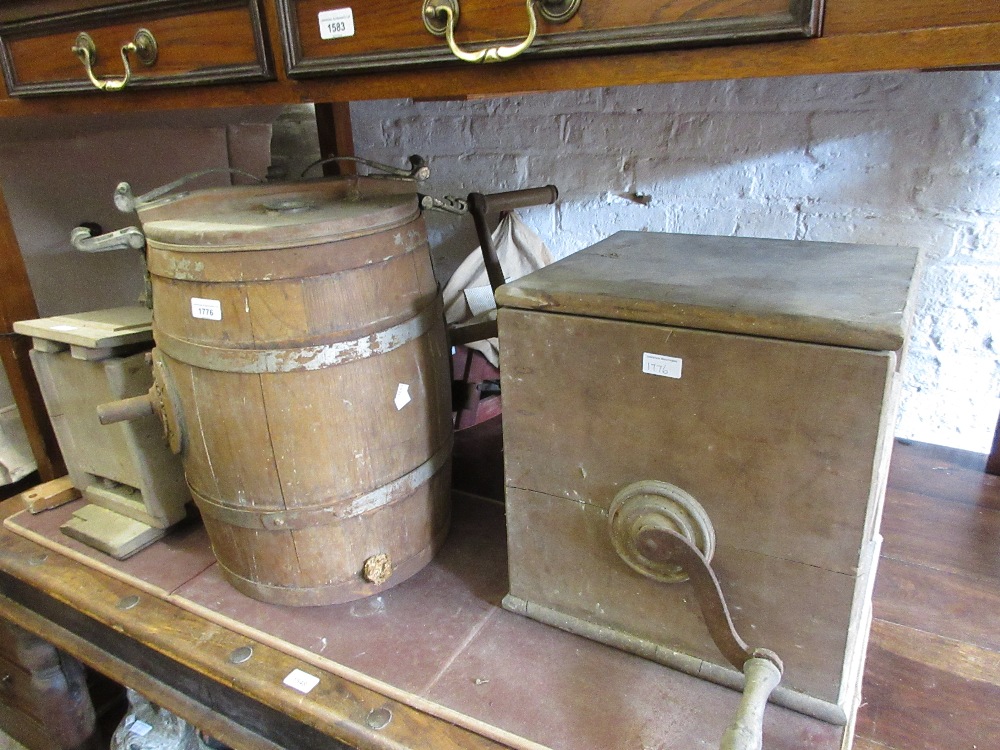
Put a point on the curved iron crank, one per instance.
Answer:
(761, 667)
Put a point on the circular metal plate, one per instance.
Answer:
(664, 505)
(558, 11)
(435, 21)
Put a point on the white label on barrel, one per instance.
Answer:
(206, 309)
(662, 365)
(402, 396)
(335, 24)
(301, 681)
(140, 728)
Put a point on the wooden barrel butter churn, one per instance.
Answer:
(301, 371)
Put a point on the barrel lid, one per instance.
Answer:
(255, 217)
(832, 293)
(97, 329)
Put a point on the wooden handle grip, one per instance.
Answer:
(747, 730)
(125, 410)
(538, 196)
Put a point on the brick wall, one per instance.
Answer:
(907, 159)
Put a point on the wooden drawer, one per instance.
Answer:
(197, 42)
(384, 35)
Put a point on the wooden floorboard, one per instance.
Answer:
(932, 678)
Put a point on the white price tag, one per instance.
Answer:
(659, 364)
(301, 681)
(206, 309)
(336, 24)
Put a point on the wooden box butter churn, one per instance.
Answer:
(738, 391)
(134, 484)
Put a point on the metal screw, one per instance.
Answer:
(241, 654)
(379, 718)
(127, 602)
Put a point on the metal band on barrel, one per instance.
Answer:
(339, 510)
(259, 361)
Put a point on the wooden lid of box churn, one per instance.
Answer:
(96, 329)
(830, 293)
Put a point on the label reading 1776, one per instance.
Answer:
(334, 24)
(206, 309)
(662, 365)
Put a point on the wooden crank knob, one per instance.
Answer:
(126, 410)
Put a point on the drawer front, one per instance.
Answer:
(381, 34)
(196, 43)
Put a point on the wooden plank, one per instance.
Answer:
(944, 473)
(948, 537)
(783, 289)
(926, 692)
(859, 17)
(952, 605)
(336, 136)
(50, 495)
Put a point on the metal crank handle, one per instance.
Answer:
(83, 239)
(747, 730)
(664, 533)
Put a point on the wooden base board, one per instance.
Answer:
(110, 532)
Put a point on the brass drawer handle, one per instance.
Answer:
(441, 18)
(143, 44)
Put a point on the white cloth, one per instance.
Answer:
(468, 292)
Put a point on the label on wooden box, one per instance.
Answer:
(659, 364)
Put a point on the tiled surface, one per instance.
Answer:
(405, 635)
(177, 558)
(565, 691)
(442, 636)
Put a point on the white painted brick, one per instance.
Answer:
(543, 134)
(899, 159)
(605, 171)
(957, 189)
(620, 132)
